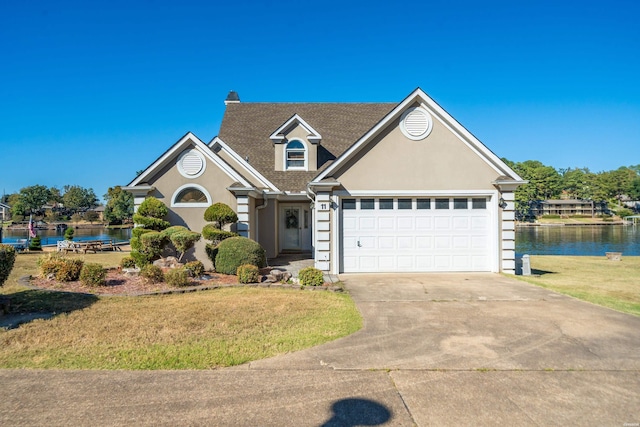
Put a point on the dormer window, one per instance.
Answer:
(296, 155)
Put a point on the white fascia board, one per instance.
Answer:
(257, 175)
(170, 154)
(452, 124)
(277, 136)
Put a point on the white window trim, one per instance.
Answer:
(181, 169)
(306, 156)
(206, 204)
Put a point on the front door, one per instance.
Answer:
(295, 228)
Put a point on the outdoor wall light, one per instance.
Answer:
(502, 203)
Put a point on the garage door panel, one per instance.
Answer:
(386, 242)
(460, 242)
(442, 223)
(443, 242)
(367, 223)
(375, 240)
(461, 223)
(405, 242)
(386, 223)
(405, 223)
(424, 223)
(424, 242)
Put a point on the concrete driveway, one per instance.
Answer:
(436, 349)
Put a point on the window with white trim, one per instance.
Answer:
(191, 195)
(295, 155)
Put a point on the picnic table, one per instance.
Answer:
(86, 246)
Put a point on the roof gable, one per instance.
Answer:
(278, 136)
(170, 156)
(420, 98)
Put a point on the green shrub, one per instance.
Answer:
(220, 214)
(68, 233)
(152, 273)
(624, 212)
(140, 259)
(173, 229)
(68, 269)
(35, 244)
(135, 237)
(196, 268)
(310, 276)
(152, 244)
(48, 263)
(184, 240)
(235, 251)
(156, 224)
(152, 207)
(93, 274)
(127, 262)
(177, 277)
(210, 232)
(63, 269)
(7, 259)
(248, 273)
(551, 216)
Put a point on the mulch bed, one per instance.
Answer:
(119, 284)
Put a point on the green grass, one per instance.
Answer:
(201, 330)
(613, 284)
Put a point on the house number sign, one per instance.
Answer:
(324, 206)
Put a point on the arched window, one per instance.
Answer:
(191, 195)
(296, 155)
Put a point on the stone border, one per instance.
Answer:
(26, 282)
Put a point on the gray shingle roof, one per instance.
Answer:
(246, 128)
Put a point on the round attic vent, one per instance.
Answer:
(191, 164)
(416, 124)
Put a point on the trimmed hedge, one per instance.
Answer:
(152, 244)
(93, 274)
(220, 214)
(310, 276)
(196, 268)
(127, 262)
(210, 232)
(248, 273)
(177, 277)
(7, 259)
(184, 240)
(152, 273)
(236, 251)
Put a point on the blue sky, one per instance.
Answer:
(91, 92)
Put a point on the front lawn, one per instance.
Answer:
(613, 284)
(200, 330)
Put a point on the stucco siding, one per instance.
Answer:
(214, 180)
(439, 162)
(267, 228)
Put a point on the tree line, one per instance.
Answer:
(73, 202)
(546, 182)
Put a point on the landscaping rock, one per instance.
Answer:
(131, 272)
(168, 262)
(276, 274)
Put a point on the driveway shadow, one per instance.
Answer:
(31, 304)
(357, 412)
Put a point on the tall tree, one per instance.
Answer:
(79, 199)
(34, 197)
(578, 183)
(119, 206)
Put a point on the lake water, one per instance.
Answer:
(51, 237)
(578, 240)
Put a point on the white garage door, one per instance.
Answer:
(416, 234)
